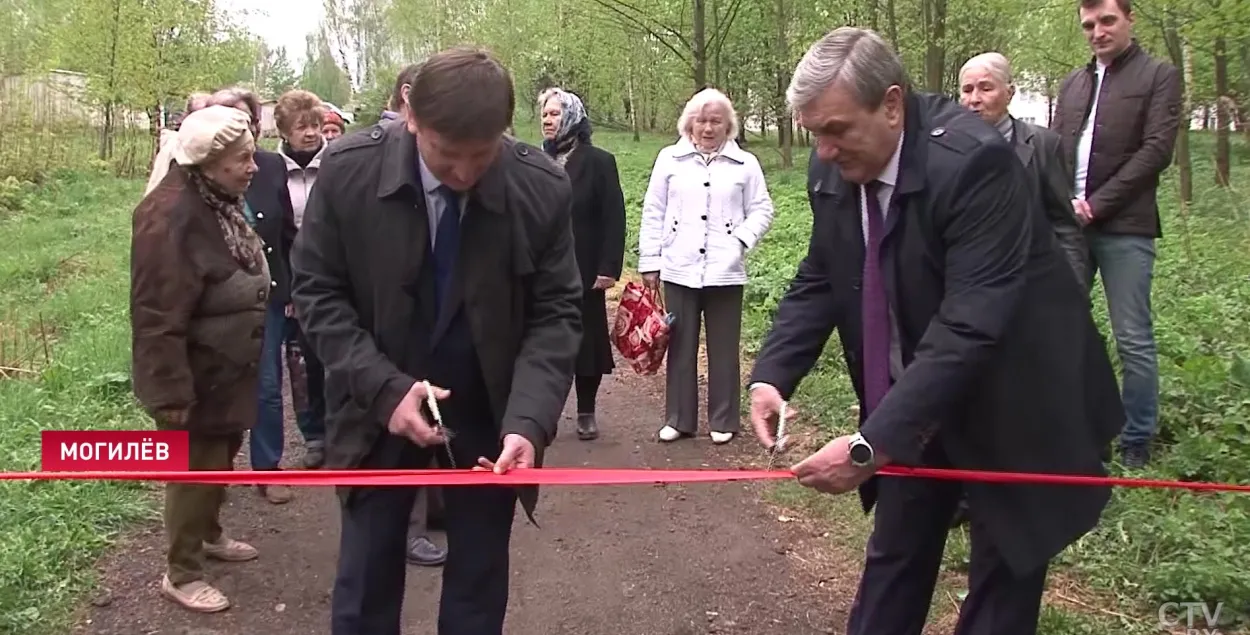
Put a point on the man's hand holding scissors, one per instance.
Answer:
(409, 422)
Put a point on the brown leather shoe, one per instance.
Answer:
(198, 596)
(276, 494)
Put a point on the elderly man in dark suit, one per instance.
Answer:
(968, 341)
(986, 87)
(438, 251)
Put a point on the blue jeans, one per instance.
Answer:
(268, 438)
(1126, 264)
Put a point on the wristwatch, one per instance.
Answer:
(860, 451)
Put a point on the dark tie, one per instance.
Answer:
(875, 307)
(446, 242)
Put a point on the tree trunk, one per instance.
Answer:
(1179, 51)
(699, 44)
(784, 128)
(935, 48)
(1222, 113)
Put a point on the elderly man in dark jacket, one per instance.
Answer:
(986, 87)
(967, 339)
(441, 252)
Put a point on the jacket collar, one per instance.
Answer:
(685, 148)
(1125, 56)
(401, 169)
(313, 166)
(914, 155)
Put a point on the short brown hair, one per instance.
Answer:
(1125, 6)
(464, 93)
(397, 94)
(295, 107)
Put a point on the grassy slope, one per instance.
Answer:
(67, 261)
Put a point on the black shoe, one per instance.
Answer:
(1135, 457)
(587, 429)
(424, 553)
(314, 454)
(961, 514)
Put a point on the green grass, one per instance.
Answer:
(66, 261)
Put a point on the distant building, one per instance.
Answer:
(58, 97)
(268, 128)
(1031, 108)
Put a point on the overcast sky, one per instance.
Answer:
(282, 23)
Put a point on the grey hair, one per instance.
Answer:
(860, 58)
(702, 99)
(995, 63)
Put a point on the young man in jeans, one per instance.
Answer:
(1118, 118)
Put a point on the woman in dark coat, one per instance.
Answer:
(598, 235)
(199, 287)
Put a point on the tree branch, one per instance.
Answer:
(637, 17)
(628, 22)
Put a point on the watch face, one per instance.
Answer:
(861, 453)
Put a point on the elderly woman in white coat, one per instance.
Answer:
(706, 206)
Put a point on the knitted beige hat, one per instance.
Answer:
(206, 132)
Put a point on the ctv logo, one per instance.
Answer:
(1196, 618)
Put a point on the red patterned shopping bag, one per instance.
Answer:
(641, 328)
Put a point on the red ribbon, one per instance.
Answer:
(580, 476)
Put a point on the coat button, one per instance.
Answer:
(273, 283)
(268, 250)
(937, 132)
(376, 134)
(260, 214)
(702, 251)
(705, 217)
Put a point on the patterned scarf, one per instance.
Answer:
(574, 126)
(244, 244)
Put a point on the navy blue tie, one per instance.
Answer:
(446, 242)
(875, 306)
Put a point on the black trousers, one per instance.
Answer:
(369, 587)
(904, 556)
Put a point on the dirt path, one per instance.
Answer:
(642, 560)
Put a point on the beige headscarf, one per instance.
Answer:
(203, 135)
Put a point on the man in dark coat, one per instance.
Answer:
(958, 298)
(395, 288)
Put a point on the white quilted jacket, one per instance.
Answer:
(699, 219)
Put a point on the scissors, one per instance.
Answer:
(779, 445)
(438, 420)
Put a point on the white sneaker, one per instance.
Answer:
(669, 434)
(721, 437)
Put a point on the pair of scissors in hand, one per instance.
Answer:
(432, 403)
(779, 445)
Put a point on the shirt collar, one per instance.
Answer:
(889, 176)
(428, 182)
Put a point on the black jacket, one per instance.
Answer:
(1004, 365)
(1041, 151)
(275, 220)
(360, 287)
